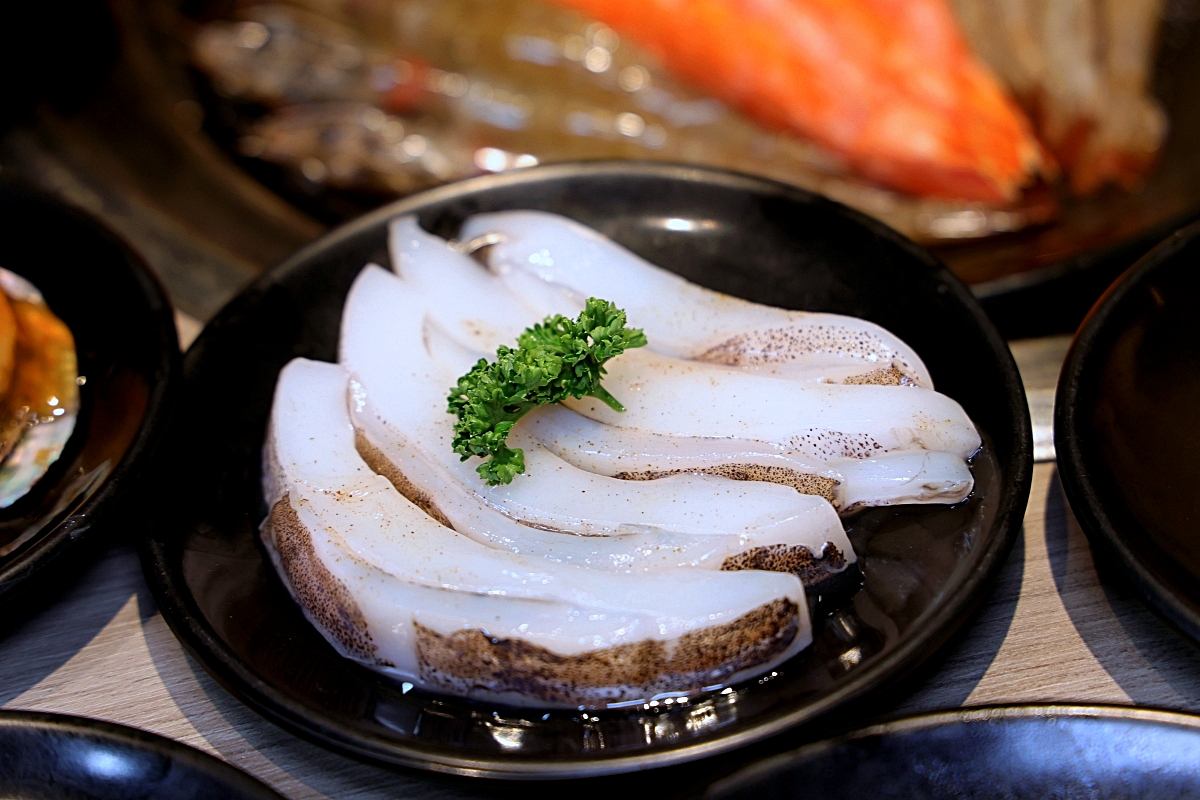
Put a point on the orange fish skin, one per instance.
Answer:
(889, 85)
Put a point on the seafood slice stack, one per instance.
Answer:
(665, 548)
(398, 407)
(398, 591)
(808, 395)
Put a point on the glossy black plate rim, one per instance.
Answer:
(1092, 506)
(78, 726)
(943, 719)
(61, 541)
(207, 648)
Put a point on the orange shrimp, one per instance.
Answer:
(889, 85)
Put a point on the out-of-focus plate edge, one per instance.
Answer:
(1075, 466)
(226, 776)
(949, 718)
(64, 544)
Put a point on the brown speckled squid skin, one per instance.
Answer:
(802, 482)
(884, 376)
(786, 345)
(796, 559)
(471, 659)
(382, 465)
(326, 599)
(826, 445)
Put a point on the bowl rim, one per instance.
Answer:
(931, 720)
(60, 542)
(80, 726)
(1092, 507)
(202, 642)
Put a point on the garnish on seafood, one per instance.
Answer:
(555, 359)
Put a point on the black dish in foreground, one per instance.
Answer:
(926, 568)
(127, 350)
(52, 756)
(1007, 753)
(1127, 431)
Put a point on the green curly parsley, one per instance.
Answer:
(554, 360)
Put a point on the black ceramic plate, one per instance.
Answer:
(1013, 753)
(52, 756)
(126, 347)
(925, 568)
(1127, 431)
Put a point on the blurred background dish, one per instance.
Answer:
(1126, 430)
(385, 96)
(39, 387)
(103, 297)
(258, 123)
(59, 756)
(1009, 752)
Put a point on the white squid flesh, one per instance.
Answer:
(682, 319)
(390, 587)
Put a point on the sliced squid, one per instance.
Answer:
(632, 454)
(458, 291)
(673, 396)
(907, 476)
(543, 255)
(913, 476)
(814, 428)
(400, 407)
(813, 545)
(820, 421)
(392, 588)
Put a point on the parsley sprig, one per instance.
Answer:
(555, 359)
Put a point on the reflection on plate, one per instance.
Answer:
(924, 568)
(1006, 753)
(1126, 429)
(56, 756)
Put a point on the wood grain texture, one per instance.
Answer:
(1039, 361)
(1050, 631)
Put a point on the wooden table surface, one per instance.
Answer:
(1051, 631)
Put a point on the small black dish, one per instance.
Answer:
(925, 568)
(53, 756)
(1127, 429)
(128, 352)
(1004, 753)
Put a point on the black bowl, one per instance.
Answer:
(1127, 431)
(127, 349)
(925, 568)
(52, 756)
(1007, 753)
